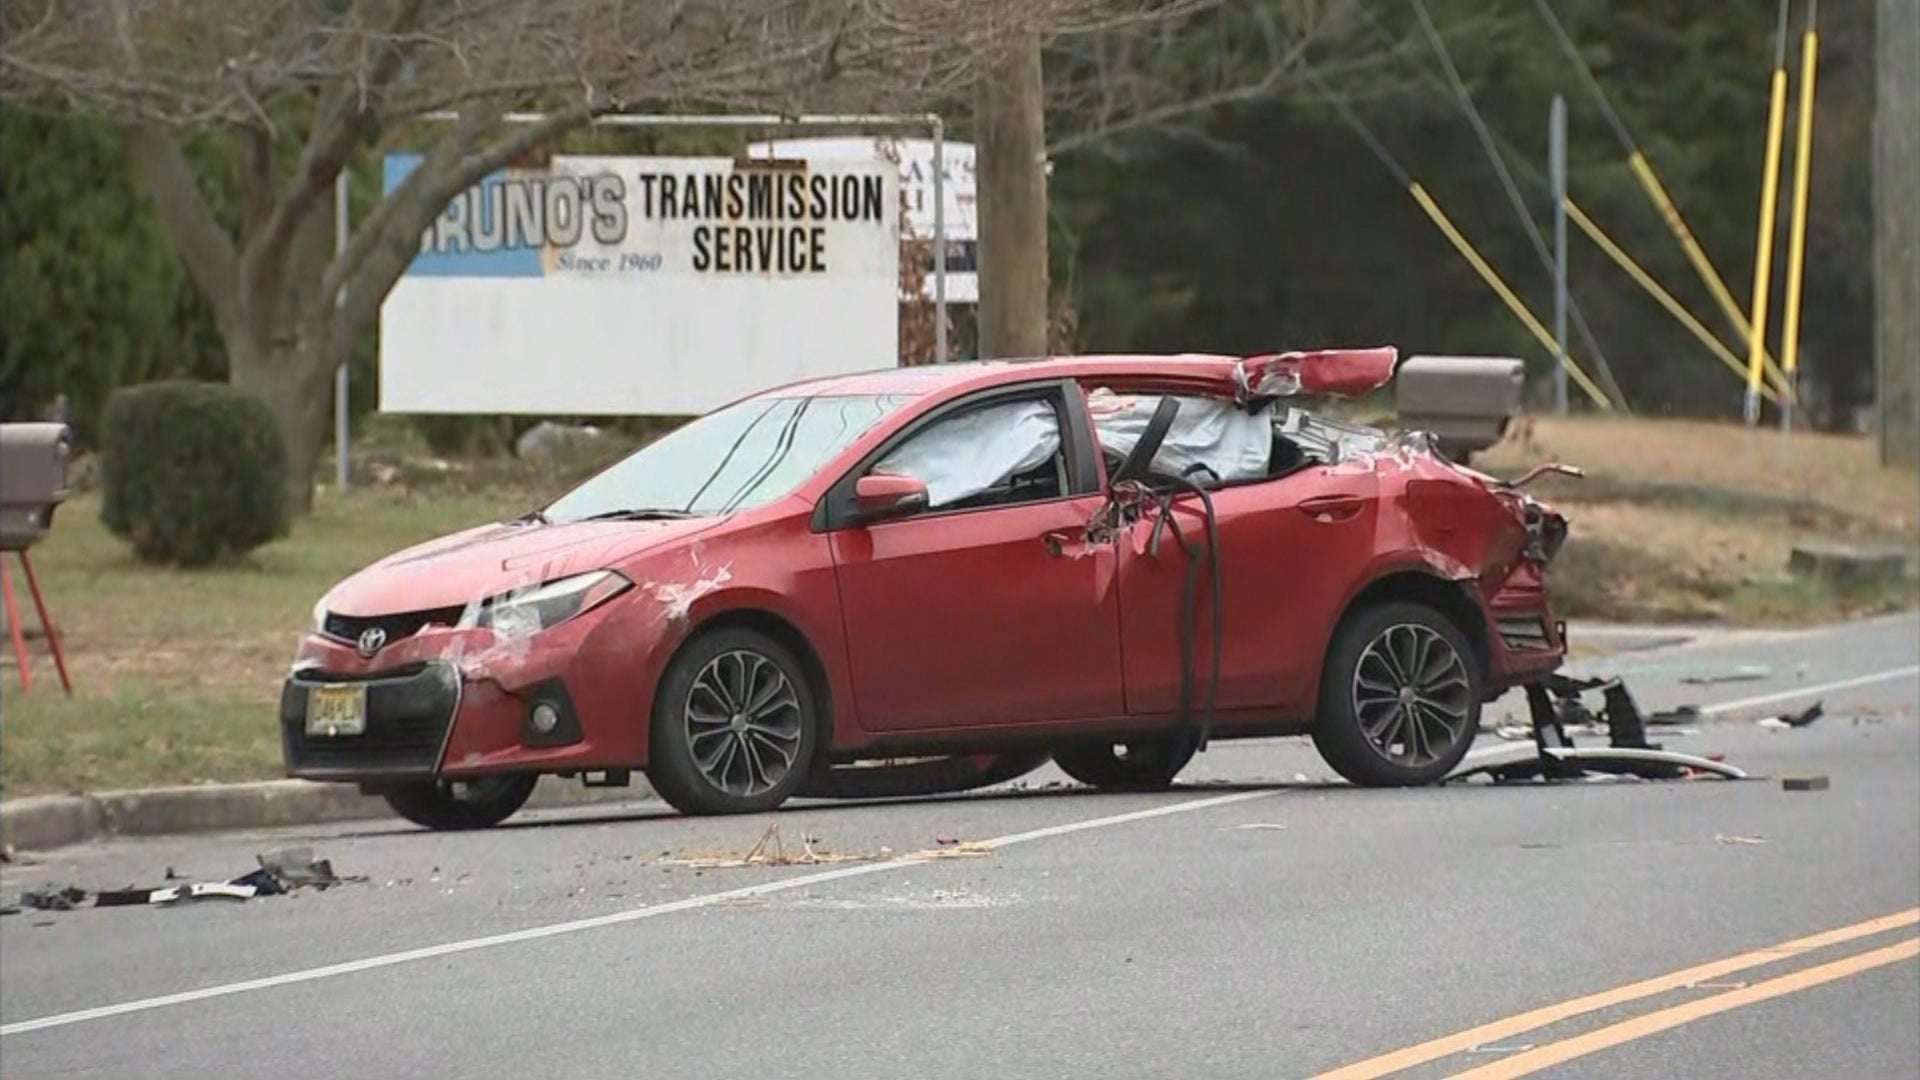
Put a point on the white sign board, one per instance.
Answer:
(915, 159)
(658, 286)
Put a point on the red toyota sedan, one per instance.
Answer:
(1103, 560)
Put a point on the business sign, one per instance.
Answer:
(914, 159)
(625, 285)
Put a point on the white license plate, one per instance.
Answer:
(333, 711)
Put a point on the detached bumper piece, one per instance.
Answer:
(1554, 702)
(408, 714)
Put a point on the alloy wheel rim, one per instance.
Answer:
(744, 722)
(1412, 695)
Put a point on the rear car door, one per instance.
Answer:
(1290, 549)
(987, 608)
(1294, 539)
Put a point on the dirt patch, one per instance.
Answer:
(1691, 521)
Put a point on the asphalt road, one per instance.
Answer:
(1260, 920)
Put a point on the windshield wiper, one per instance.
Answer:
(640, 513)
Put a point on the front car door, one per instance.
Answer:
(987, 608)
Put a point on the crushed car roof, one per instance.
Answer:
(1322, 371)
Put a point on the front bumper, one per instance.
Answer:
(452, 703)
(410, 716)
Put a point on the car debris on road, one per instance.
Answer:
(1556, 710)
(1786, 721)
(279, 872)
(1746, 673)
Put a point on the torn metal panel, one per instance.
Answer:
(1328, 441)
(964, 455)
(1336, 372)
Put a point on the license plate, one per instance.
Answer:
(333, 711)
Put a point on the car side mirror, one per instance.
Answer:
(881, 496)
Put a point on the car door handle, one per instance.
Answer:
(1328, 508)
(1059, 540)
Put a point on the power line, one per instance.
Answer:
(1642, 170)
(1514, 198)
(1463, 246)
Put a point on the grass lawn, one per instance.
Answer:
(177, 673)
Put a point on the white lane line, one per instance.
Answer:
(596, 922)
(1907, 672)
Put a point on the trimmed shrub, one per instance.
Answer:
(192, 472)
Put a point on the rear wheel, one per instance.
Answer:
(735, 725)
(1147, 763)
(1400, 699)
(480, 803)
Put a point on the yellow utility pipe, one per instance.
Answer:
(1492, 278)
(1645, 280)
(1763, 243)
(1642, 170)
(1802, 178)
(1702, 265)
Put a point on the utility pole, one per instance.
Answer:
(342, 384)
(1010, 156)
(1896, 229)
(1557, 173)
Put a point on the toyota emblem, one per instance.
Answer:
(371, 641)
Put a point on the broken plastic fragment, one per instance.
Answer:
(1747, 673)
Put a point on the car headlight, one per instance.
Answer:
(528, 611)
(318, 620)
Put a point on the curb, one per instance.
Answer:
(43, 822)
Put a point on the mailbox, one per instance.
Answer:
(1466, 402)
(33, 481)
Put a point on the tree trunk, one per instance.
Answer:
(295, 381)
(1010, 156)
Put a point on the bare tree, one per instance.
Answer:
(302, 85)
(1168, 74)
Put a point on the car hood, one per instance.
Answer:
(456, 570)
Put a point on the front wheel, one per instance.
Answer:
(735, 725)
(1400, 700)
(462, 804)
(1148, 763)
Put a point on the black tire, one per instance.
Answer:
(449, 805)
(1362, 728)
(933, 776)
(1147, 763)
(793, 713)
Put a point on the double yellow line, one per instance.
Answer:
(1535, 1059)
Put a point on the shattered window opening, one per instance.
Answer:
(744, 455)
(1231, 442)
(995, 455)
